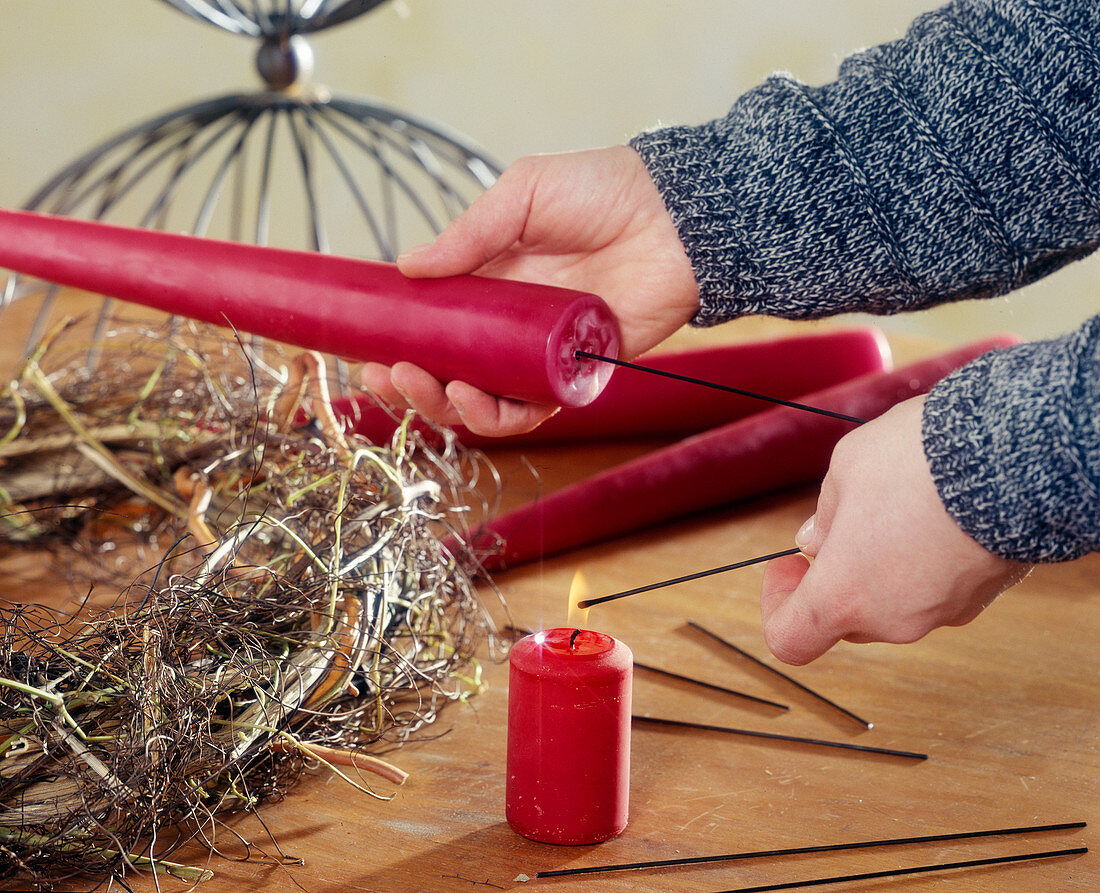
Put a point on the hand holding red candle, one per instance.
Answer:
(590, 220)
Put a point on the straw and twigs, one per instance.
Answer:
(284, 603)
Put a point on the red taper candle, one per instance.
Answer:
(635, 405)
(779, 448)
(513, 339)
(568, 761)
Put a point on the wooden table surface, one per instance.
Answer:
(1006, 710)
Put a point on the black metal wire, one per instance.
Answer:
(812, 849)
(915, 869)
(686, 578)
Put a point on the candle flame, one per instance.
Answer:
(578, 591)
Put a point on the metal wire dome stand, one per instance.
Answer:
(292, 164)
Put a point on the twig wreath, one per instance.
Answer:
(295, 607)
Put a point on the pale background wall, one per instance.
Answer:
(517, 76)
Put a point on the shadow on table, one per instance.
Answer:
(490, 858)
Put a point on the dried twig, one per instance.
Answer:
(299, 608)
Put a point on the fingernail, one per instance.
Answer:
(805, 533)
(404, 255)
(460, 408)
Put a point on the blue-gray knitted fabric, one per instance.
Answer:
(961, 161)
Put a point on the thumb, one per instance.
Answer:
(491, 225)
(797, 627)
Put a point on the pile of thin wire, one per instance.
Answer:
(297, 599)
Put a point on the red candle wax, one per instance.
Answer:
(513, 339)
(568, 736)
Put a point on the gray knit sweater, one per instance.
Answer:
(961, 161)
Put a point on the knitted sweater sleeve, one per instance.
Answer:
(961, 161)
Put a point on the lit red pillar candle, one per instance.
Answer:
(569, 736)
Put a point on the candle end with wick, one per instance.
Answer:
(573, 639)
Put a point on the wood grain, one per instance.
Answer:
(1007, 708)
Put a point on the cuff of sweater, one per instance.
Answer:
(680, 161)
(1014, 449)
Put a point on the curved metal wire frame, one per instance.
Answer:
(263, 18)
(395, 174)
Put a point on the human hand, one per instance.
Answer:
(591, 221)
(888, 563)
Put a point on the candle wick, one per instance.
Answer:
(573, 638)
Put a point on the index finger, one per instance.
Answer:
(490, 416)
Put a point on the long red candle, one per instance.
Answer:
(780, 447)
(514, 339)
(568, 736)
(637, 405)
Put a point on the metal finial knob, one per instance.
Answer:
(284, 60)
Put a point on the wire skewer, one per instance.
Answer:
(589, 602)
(729, 691)
(721, 387)
(522, 631)
(772, 736)
(917, 869)
(782, 675)
(807, 850)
